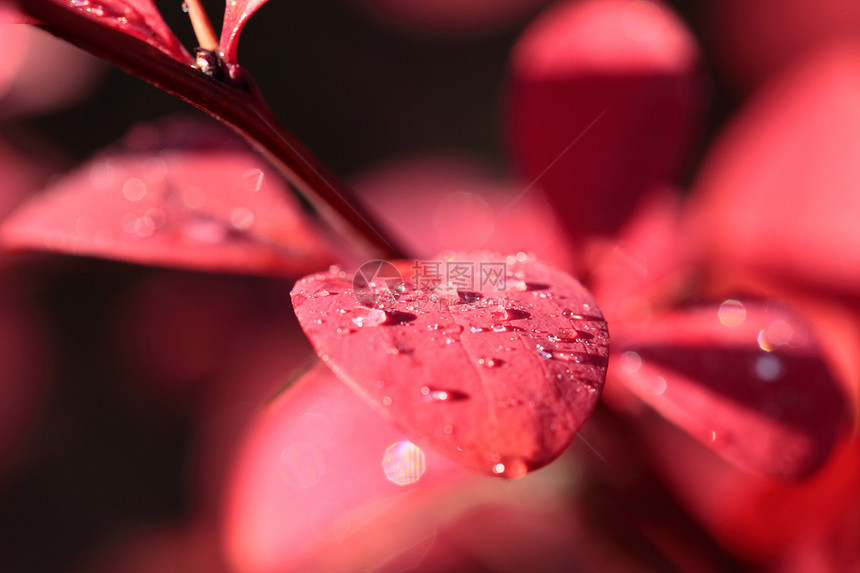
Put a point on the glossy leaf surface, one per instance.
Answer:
(499, 376)
(746, 379)
(170, 199)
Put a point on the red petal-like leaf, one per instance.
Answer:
(498, 377)
(747, 379)
(213, 206)
(456, 204)
(747, 45)
(777, 199)
(604, 100)
(317, 466)
(236, 13)
(139, 19)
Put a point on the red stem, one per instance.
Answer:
(237, 104)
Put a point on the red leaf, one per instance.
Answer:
(746, 379)
(622, 77)
(456, 204)
(498, 380)
(318, 467)
(213, 206)
(777, 198)
(139, 19)
(236, 13)
(751, 40)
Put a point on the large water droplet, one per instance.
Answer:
(369, 317)
(490, 362)
(403, 463)
(442, 395)
(510, 468)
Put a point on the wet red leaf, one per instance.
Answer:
(139, 19)
(746, 379)
(499, 378)
(604, 100)
(169, 199)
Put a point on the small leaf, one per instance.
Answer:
(597, 85)
(209, 206)
(498, 374)
(746, 379)
(236, 13)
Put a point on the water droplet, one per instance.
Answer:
(510, 468)
(403, 463)
(134, 189)
(185, 7)
(252, 179)
(369, 317)
(202, 230)
(398, 318)
(567, 313)
(242, 218)
(732, 313)
(443, 395)
(322, 292)
(479, 329)
(768, 367)
(468, 297)
(630, 362)
(448, 429)
(386, 401)
(490, 362)
(516, 314)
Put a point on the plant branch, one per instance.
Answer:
(206, 37)
(238, 104)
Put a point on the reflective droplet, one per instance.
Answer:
(630, 362)
(252, 180)
(768, 367)
(732, 313)
(442, 395)
(510, 468)
(369, 317)
(490, 362)
(387, 401)
(242, 218)
(134, 189)
(403, 463)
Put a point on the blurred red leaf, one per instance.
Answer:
(316, 468)
(622, 76)
(169, 199)
(752, 40)
(777, 198)
(139, 19)
(457, 204)
(499, 380)
(746, 379)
